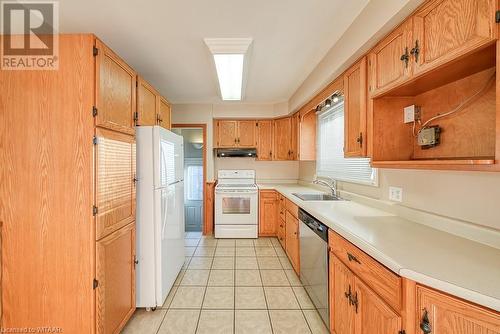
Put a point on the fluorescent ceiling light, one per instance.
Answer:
(229, 57)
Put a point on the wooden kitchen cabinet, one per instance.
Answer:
(355, 138)
(389, 61)
(306, 150)
(282, 139)
(233, 134)
(115, 83)
(115, 275)
(444, 314)
(294, 136)
(165, 114)
(265, 140)
(341, 288)
(281, 232)
(115, 186)
(444, 30)
(148, 100)
(292, 241)
(268, 212)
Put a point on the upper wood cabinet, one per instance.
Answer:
(115, 91)
(148, 100)
(115, 274)
(232, 133)
(389, 61)
(282, 139)
(355, 138)
(114, 178)
(164, 115)
(268, 212)
(441, 313)
(444, 30)
(265, 140)
(307, 137)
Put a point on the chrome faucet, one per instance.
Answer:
(332, 185)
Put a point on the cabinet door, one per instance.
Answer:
(373, 315)
(355, 110)
(307, 137)
(268, 213)
(115, 91)
(147, 103)
(281, 232)
(444, 314)
(247, 133)
(292, 240)
(447, 29)
(115, 273)
(165, 119)
(281, 138)
(227, 132)
(114, 177)
(265, 140)
(294, 137)
(388, 64)
(341, 286)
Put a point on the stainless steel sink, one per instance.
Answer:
(317, 197)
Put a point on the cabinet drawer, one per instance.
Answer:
(292, 208)
(281, 198)
(267, 194)
(281, 212)
(281, 232)
(383, 281)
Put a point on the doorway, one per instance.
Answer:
(194, 175)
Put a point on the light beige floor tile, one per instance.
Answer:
(303, 298)
(180, 321)
(221, 278)
(248, 278)
(143, 322)
(224, 251)
(265, 251)
(191, 242)
(189, 251)
(275, 242)
(179, 277)
(223, 263)
(200, 263)
(188, 297)
(279, 251)
(274, 278)
(244, 243)
(195, 277)
(281, 298)
(285, 263)
(208, 242)
(170, 297)
(288, 322)
(187, 259)
(292, 277)
(262, 242)
(252, 322)
(216, 322)
(269, 263)
(226, 243)
(245, 251)
(218, 297)
(204, 251)
(193, 235)
(250, 298)
(246, 263)
(315, 322)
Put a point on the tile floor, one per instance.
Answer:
(232, 286)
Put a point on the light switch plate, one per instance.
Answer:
(396, 194)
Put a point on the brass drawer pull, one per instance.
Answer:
(352, 258)
(425, 325)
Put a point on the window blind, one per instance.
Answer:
(330, 147)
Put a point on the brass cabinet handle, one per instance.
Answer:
(425, 325)
(348, 294)
(359, 140)
(405, 57)
(415, 51)
(352, 258)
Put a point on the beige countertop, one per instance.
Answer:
(444, 261)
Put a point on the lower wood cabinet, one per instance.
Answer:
(281, 233)
(115, 275)
(292, 240)
(268, 212)
(341, 287)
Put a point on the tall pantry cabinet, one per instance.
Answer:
(68, 191)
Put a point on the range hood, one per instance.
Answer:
(236, 152)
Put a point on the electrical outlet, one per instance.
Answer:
(411, 114)
(396, 194)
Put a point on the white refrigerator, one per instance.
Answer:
(160, 213)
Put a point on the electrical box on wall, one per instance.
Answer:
(429, 137)
(411, 113)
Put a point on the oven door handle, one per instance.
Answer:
(242, 192)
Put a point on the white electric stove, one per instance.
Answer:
(236, 204)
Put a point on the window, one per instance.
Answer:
(330, 147)
(194, 183)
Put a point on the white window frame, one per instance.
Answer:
(339, 108)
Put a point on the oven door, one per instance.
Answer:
(236, 207)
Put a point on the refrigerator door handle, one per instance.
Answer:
(171, 184)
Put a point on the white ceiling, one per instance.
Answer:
(163, 40)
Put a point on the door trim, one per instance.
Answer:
(206, 222)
